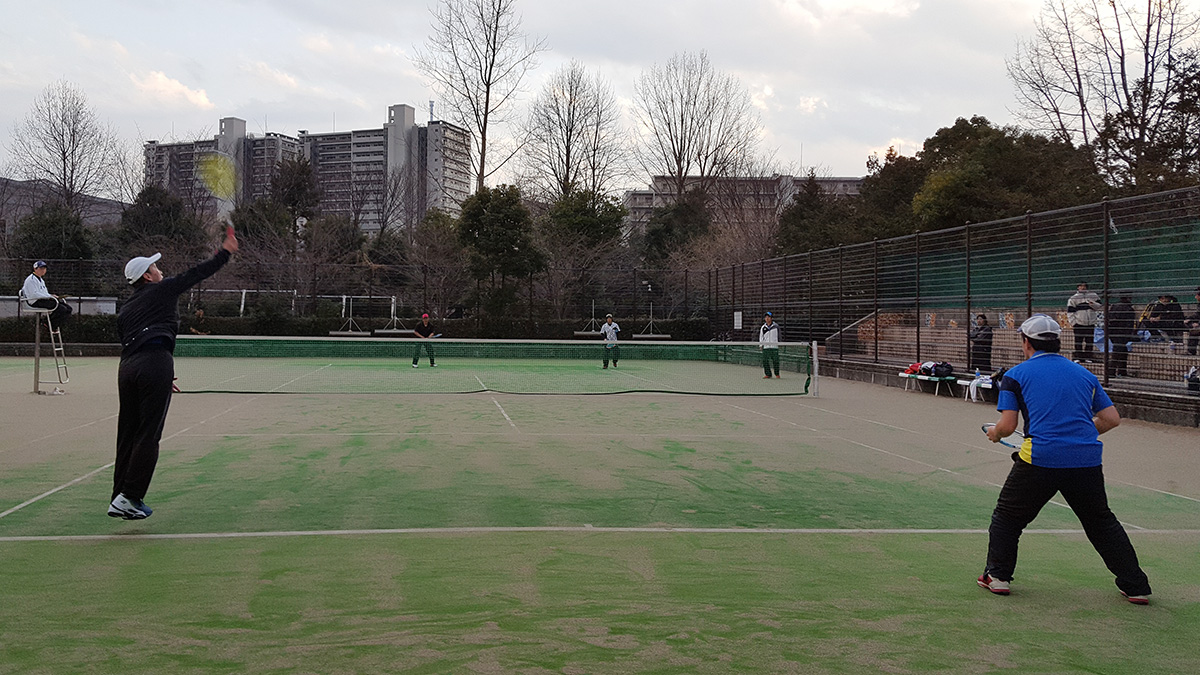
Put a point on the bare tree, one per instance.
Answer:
(1102, 73)
(696, 124)
(399, 203)
(477, 58)
(574, 134)
(61, 141)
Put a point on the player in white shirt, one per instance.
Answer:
(768, 340)
(609, 330)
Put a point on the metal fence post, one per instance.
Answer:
(1107, 340)
(967, 236)
(783, 310)
(840, 322)
(875, 290)
(917, 297)
(1028, 264)
(810, 296)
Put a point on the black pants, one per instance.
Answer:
(59, 315)
(1029, 488)
(614, 352)
(1083, 341)
(1193, 341)
(981, 358)
(428, 352)
(770, 359)
(144, 386)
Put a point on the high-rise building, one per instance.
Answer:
(389, 175)
(174, 166)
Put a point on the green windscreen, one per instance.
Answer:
(381, 365)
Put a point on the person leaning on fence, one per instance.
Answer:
(424, 330)
(1192, 324)
(147, 325)
(1081, 314)
(36, 295)
(980, 336)
(1065, 411)
(768, 341)
(609, 330)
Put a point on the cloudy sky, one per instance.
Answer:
(834, 80)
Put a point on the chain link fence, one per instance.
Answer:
(915, 298)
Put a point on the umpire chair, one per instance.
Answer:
(60, 355)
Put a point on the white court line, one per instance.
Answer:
(60, 433)
(898, 455)
(22, 505)
(567, 434)
(992, 449)
(585, 529)
(64, 486)
(510, 422)
(485, 387)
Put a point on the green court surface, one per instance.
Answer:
(485, 532)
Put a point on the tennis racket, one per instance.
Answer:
(1003, 442)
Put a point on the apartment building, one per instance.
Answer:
(744, 199)
(386, 175)
(174, 166)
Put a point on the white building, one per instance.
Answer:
(388, 175)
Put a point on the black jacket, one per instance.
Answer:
(152, 312)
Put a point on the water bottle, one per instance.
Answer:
(977, 373)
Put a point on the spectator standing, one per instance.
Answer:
(980, 336)
(1122, 327)
(36, 295)
(1081, 314)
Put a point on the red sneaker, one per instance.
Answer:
(993, 584)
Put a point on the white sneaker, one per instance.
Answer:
(993, 584)
(129, 509)
(414, 365)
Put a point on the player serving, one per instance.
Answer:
(609, 330)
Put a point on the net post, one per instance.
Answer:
(1028, 264)
(875, 290)
(967, 256)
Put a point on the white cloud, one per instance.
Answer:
(317, 43)
(169, 91)
(273, 75)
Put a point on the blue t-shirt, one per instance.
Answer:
(1056, 399)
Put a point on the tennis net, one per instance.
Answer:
(384, 365)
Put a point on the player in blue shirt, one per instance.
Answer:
(1064, 411)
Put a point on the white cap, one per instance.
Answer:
(1041, 327)
(134, 269)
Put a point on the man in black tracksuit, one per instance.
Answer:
(147, 325)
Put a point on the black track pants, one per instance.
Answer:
(144, 384)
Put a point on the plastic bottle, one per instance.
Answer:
(977, 373)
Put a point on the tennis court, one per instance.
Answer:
(494, 532)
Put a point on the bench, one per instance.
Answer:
(966, 385)
(394, 332)
(909, 377)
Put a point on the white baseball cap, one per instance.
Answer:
(134, 269)
(1041, 327)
